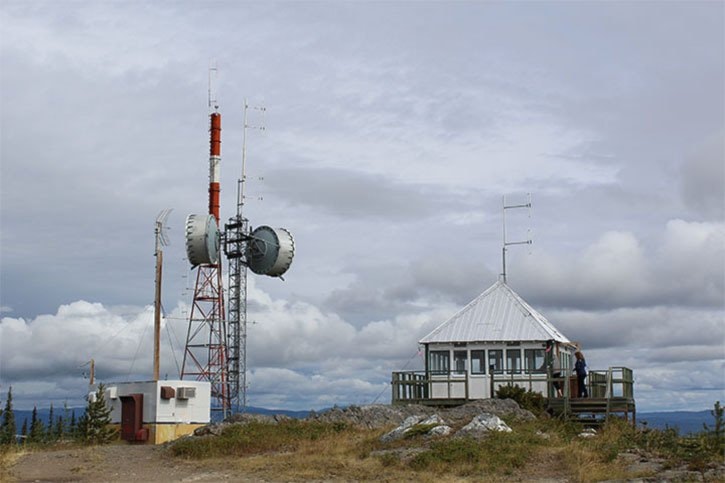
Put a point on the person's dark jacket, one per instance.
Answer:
(580, 367)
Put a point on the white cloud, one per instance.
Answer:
(684, 267)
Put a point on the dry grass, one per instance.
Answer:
(297, 451)
(8, 457)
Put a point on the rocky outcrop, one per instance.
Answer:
(431, 426)
(381, 415)
(483, 424)
(373, 416)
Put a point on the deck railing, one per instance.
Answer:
(417, 386)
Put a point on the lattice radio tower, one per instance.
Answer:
(216, 347)
(206, 353)
(235, 245)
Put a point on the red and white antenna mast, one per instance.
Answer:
(215, 147)
(206, 354)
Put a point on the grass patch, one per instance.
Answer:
(8, 456)
(497, 453)
(539, 449)
(256, 438)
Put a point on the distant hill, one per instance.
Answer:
(685, 421)
(21, 414)
(43, 413)
(271, 412)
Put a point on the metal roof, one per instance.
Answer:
(498, 314)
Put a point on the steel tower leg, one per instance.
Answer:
(205, 353)
(236, 232)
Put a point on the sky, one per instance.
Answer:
(392, 132)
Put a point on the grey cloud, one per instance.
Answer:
(684, 267)
(703, 179)
(656, 328)
(714, 352)
(356, 194)
(386, 291)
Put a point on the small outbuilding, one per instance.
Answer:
(157, 411)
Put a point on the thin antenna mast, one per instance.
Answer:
(506, 244)
(237, 234)
(213, 103)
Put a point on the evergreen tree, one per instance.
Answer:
(716, 434)
(98, 429)
(81, 427)
(8, 429)
(37, 429)
(49, 432)
(24, 431)
(59, 429)
(73, 427)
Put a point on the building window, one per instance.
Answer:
(513, 361)
(495, 359)
(459, 361)
(439, 362)
(534, 361)
(478, 362)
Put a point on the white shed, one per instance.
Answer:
(496, 335)
(157, 411)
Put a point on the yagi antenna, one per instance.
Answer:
(506, 243)
(160, 229)
(213, 103)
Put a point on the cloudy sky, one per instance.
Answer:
(392, 132)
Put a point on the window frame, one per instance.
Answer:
(509, 369)
(492, 353)
(535, 369)
(456, 359)
(483, 365)
(437, 356)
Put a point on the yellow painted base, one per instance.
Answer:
(163, 433)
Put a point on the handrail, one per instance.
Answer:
(417, 385)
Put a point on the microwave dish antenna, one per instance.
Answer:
(203, 240)
(270, 251)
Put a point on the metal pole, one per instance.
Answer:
(157, 314)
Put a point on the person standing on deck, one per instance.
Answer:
(555, 367)
(581, 374)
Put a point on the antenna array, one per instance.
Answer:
(506, 243)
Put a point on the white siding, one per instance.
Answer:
(157, 410)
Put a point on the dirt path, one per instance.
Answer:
(114, 463)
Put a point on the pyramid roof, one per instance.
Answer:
(498, 314)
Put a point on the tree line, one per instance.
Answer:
(91, 427)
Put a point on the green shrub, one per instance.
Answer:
(451, 452)
(527, 399)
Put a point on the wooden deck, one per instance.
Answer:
(611, 392)
(593, 411)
